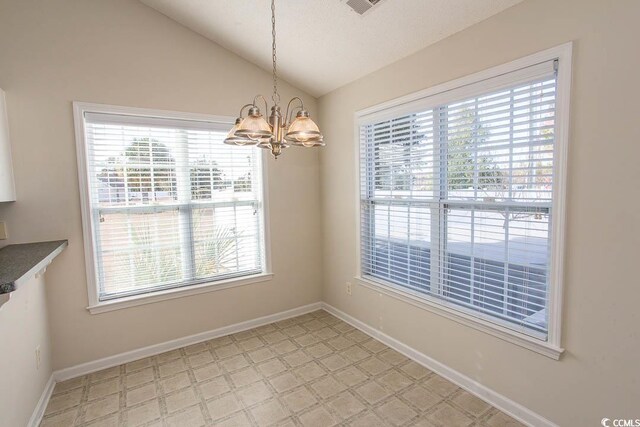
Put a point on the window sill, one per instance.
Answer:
(150, 298)
(522, 340)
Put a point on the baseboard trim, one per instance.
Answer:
(506, 405)
(38, 412)
(152, 350)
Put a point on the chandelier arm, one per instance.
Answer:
(266, 105)
(243, 107)
(286, 116)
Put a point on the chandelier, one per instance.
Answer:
(277, 132)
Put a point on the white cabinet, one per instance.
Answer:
(7, 187)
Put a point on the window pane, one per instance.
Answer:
(401, 157)
(132, 165)
(139, 251)
(173, 205)
(500, 146)
(397, 247)
(226, 241)
(497, 262)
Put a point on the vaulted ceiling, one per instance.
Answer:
(324, 44)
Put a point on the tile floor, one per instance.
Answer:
(312, 370)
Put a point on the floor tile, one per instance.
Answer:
(214, 387)
(238, 420)
(138, 364)
(251, 344)
(200, 359)
(100, 390)
(319, 350)
(180, 400)
(334, 362)
(175, 383)
(271, 367)
(346, 404)
(284, 382)
(62, 419)
(100, 408)
(196, 348)
(234, 363)
(351, 376)
(356, 353)
(168, 356)
(318, 417)
(105, 374)
(327, 387)
(143, 414)
(310, 371)
(261, 354)
(254, 393)
(415, 370)
(372, 392)
(191, 417)
(396, 412)
(374, 366)
(395, 381)
(392, 357)
(446, 415)
(470, 403)
(296, 359)
(172, 368)
(299, 400)
(140, 377)
(141, 394)
(64, 401)
(245, 377)
(68, 385)
(501, 419)
(368, 419)
(269, 412)
(440, 386)
(421, 398)
(223, 406)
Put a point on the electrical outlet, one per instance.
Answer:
(349, 288)
(3, 231)
(38, 357)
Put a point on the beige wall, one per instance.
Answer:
(23, 327)
(122, 52)
(599, 375)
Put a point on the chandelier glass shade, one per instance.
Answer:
(277, 131)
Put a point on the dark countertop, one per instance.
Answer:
(16, 261)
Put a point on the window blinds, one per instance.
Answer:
(171, 205)
(456, 198)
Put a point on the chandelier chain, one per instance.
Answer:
(276, 96)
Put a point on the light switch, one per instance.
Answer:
(3, 231)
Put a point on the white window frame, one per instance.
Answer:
(425, 98)
(95, 305)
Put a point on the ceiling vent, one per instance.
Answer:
(361, 6)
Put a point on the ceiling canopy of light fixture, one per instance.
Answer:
(278, 131)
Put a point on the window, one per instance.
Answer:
(458, 198)
(168, 205)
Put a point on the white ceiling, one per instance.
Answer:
(323, 44)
